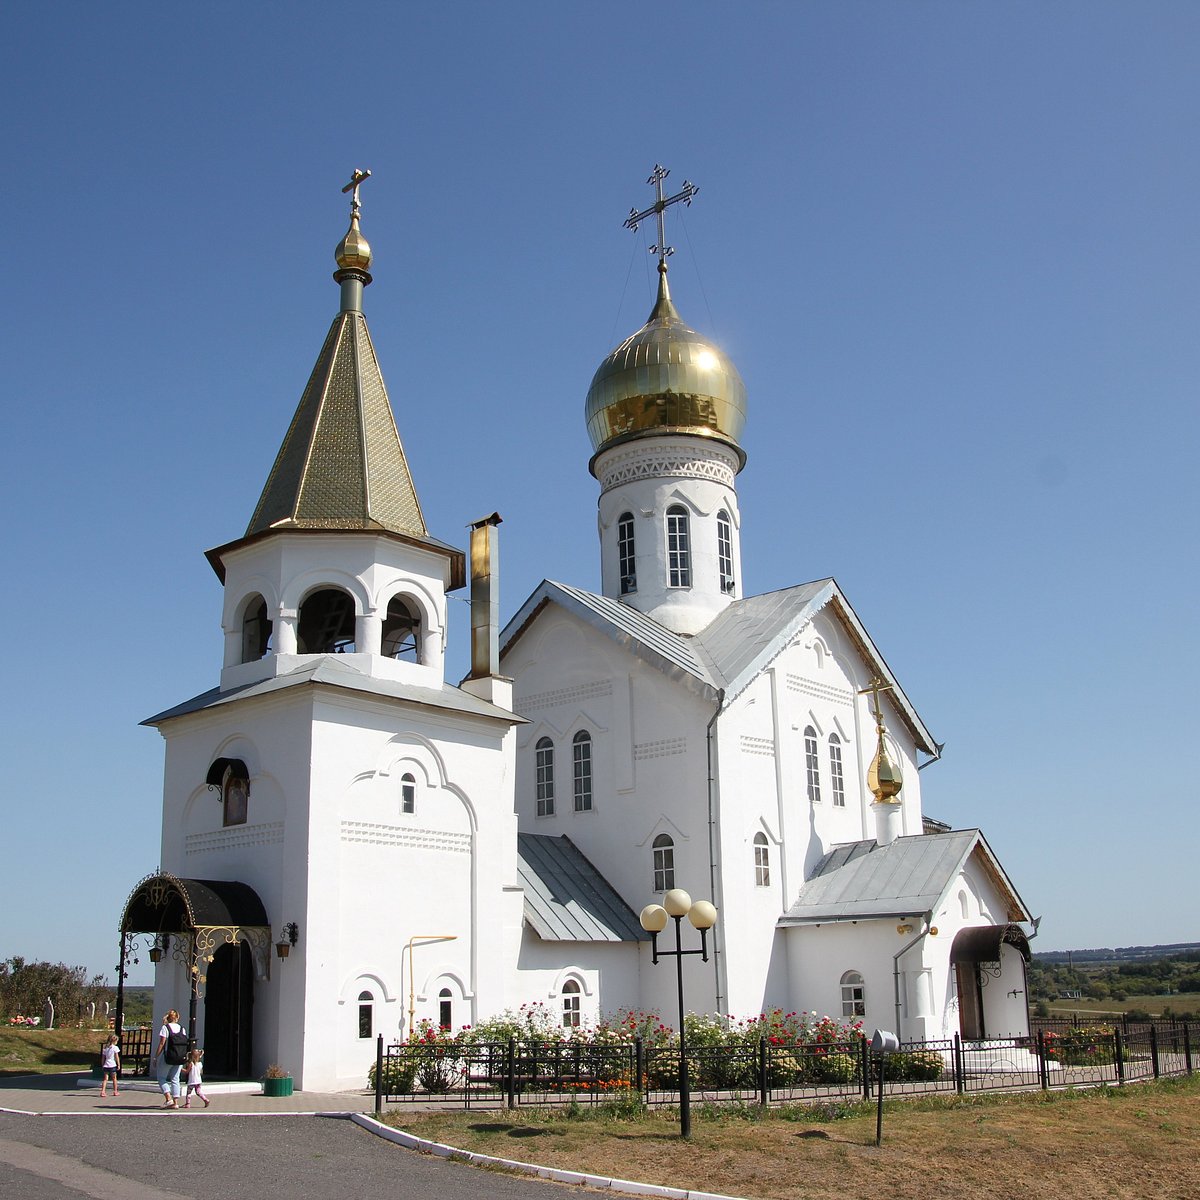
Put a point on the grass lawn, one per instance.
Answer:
(1156, 1006)
(44, 1051)
(1141, 1141)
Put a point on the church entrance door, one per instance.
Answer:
(970, 1000)
(228, 1012)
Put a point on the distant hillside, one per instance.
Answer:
(1120, 954)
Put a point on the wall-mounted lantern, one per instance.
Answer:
(289, 936)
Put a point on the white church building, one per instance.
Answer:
(350, 843)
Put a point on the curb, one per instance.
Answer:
(629, 1187)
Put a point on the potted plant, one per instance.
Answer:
(276, 1081)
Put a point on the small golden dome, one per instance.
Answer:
(665, 379)
(353, 251)
(884, 780)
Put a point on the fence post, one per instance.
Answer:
(1043, 1066)
(1154, 1049)
(1119, 1054)
(960, 1083)
(379, 1074)
(1187, 1048)
(763, 1095)
(510, 1073)
(639, 1065)
(865, 1047)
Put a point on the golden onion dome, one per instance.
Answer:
(666, 378)
(353, 252)
(884, 780)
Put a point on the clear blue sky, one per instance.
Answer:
(951, 246)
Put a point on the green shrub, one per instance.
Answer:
(398, 1075)
(917, 1065)
(834, 1068)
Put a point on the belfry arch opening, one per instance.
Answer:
(326, 624)
(257, 628)
(402, 631)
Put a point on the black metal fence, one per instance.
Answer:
(490, 1075)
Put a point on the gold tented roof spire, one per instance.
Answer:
(341, 465)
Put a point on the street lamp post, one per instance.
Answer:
(677, 904)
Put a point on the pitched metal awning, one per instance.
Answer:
(982, 943)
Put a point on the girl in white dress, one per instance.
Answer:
(195, 1077)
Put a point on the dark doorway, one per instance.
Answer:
(228, 1012)
(970, 1000)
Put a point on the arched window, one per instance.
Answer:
(545, 777)
(408, 794)
(581, 762)
(762, 861)
(679, 551)
(366, 1020)
(664, 863)
(570, 999)
(401, 632)
(326, 624)
(854, 1003)
(626, 560)
(811, 764)
(445, 1008)
(256, 630)
(235, 796)
(836, 780)
(725, 550)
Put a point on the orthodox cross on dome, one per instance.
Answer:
(660, 205)
(875, 687)
(884, 778)
(356, 181)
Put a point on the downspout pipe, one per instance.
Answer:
(925, 921)
(718, 937)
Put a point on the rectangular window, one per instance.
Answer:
(626, 562)
(664, 866)
(725, 551)
(812, 765)
(835, 774)
(762, 866)
(545, 778)
(679, 553)
(581, 750)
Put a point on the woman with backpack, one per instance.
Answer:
(170, 1056)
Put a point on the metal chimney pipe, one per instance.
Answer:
(485, 598)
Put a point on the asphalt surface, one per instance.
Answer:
(204, 1156)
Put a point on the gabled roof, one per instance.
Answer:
(733, 650)
(566, 898)
(908, 878)
(330, 671)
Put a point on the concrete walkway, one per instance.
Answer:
(74, 1093)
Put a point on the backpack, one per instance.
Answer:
(176, 1050)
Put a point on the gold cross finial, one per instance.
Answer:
(356, 181)
(875, 687)
(660, 205)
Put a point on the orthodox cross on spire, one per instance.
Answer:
(660, 205)
(875, 687)
(356, 181)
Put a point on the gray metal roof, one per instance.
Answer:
(333, 671)
(863, 880)
(737, 645)
(566, 898)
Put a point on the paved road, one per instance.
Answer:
(210, 1157)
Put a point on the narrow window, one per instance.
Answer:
(570, 999)
(854, 1002)
(835, 771)
(811, 764)
(545, 777)
(326, 623)
(725, 550)
(445, 1008)
(664, 863)
(408, 794)
(401, 632)
(366, 1021)
(626, 562)
(762, 861)
(235, 797)
(581, 754)
(256, 630)
(679, 554)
